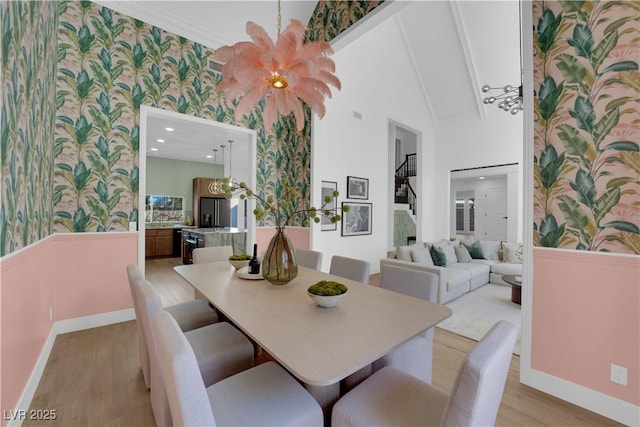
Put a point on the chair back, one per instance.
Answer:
(309, 259)
(350, 268)
(212, 254)
(415, 283)
(135, 275)
(150, 305)
(188, 399)
(477, 391)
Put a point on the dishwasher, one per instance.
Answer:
(177, 242)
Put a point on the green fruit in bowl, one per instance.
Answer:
(327, 288)
(240, 257)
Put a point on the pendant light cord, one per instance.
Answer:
(279, 18)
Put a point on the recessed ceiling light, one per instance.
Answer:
(209, 156)
(154, 149)
(482, 177)
(160, 140)
(169, 129)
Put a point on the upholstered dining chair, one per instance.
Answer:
(220, 350)
(350, 268)
(391, 397)
(308, 258)
(263, 395)
(189, 315)
(212, 254)
(414, 356)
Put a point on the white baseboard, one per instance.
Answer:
(62, 327)
(605, 405)
(95, 321)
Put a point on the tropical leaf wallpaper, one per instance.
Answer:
(587, 125)
(74, 76)
(29, 38)
(331, 17)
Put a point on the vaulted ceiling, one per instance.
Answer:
(456, 46)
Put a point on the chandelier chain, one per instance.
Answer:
(279, 18)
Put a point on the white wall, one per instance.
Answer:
(469, 142)
(378, 82)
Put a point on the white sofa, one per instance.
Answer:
(460, 273)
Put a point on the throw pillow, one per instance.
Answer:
(439, 258)
(462, 253)
(474, 249)
(404, 252)
(422, 256)
(512, 253)
(491, 249)
(449, 253)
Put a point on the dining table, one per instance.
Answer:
(319, 346)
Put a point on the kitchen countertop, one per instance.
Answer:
(217, 230)
(162, 226)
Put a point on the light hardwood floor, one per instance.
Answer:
(93, 377)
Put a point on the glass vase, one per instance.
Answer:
(279, 263)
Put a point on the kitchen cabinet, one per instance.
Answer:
(158, 243)
(208, 187)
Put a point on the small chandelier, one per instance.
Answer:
(509, 100)
(284, 73)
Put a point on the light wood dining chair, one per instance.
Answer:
(212, 254)
(265, 395)
(414, 356)
(189, 315)
(391, 397)
(350, 268)
(220, 350)
(308, 258)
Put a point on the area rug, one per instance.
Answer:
(476, 312)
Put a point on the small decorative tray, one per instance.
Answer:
(243, 273)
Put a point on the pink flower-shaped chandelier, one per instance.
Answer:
(284, 73)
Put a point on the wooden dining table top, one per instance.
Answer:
(320, 346)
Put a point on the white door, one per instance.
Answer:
(496, 219)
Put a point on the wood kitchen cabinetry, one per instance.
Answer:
(158, 243)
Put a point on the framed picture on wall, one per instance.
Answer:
(327, 189)
(357, 188)
(357, 221)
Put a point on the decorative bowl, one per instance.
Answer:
(326, 293)
(239, 263)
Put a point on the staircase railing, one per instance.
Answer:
(408, 167)
(404, 193)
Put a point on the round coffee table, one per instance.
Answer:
(516, 286)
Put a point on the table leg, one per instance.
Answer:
(516, 294)
(326, 396)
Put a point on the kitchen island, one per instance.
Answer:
(203, 237)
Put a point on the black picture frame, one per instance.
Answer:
(357, 188)
(327, 188)
(358, 220)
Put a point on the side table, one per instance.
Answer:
(516, 286)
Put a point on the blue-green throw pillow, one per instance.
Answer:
(475, 250)
(439, 257)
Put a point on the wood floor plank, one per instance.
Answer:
(93, 377)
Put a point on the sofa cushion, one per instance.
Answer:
(438, 256)
(511, 253)
(475, 269)
(457, 277)
(491, 249)
(422, 256)
(449, 252)
(507, 268)
(404, 252)
(474, 248)
(462, 253)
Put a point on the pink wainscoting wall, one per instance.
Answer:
(90, 273)
(76, 275)
(586, 316)
(299, 237)
(27, 293)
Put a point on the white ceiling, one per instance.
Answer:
(457, 47)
